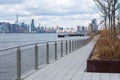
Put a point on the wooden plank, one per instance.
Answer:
(67, 69)
(86, 76)
(114, 77)
(75, 68)
(56, 69)
(78, 75)
(105, 76)
(51, 67)
(95, 76)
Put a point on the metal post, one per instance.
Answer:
(61, 49)
(19, 64)
(69, 46)
(66, 48)
(36, 57)
(55, 50)
(75, 44)
(72, 46)
(47, 53)
(79, 44)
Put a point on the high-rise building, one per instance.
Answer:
(78, 29)
(16, 22)
(32, 26)
(94, 26)
(83, 28)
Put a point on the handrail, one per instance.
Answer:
(65, 47)
(34, 44)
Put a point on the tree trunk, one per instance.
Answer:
(114, 30)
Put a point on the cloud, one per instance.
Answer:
(49, 12)
(10, 1)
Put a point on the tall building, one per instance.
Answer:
(83, 28)
(32, 26)
(16, 22)
(94, 26)
(78, 29)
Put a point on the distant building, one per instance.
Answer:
(94, 26)
(78, 29)
(16, 22)
(25, 27)
(83, 28)
(32, 26)
(89, 29)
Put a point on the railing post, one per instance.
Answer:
(36, 57)
(47, 53)
(80, 44)
(61, 49)
(19, 64)
(72, 45)
(66, 47)
(69, 46)
(55, 50)
(75, 45)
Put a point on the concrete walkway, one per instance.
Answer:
(72, 67)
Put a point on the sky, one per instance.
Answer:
(65, 13)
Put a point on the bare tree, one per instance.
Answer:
(109, 8)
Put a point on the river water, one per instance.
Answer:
(13, 40)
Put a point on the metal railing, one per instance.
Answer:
(16, 61)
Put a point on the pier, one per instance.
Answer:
(55, 60)
(72, 67)
(19, 61)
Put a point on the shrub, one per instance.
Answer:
(106, 48)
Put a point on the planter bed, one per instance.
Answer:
(104, 66)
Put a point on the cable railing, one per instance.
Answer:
(17, 61)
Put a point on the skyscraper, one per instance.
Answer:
(32, 26)
(16, 22)
(94, 26)
(78, 28)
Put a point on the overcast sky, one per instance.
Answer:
(65, 13)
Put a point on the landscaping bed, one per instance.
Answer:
(105, 57)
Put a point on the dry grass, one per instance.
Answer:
(106, 48)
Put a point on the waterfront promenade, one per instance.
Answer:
(72, 67)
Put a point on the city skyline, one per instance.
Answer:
(68, 13)
(6, 27)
